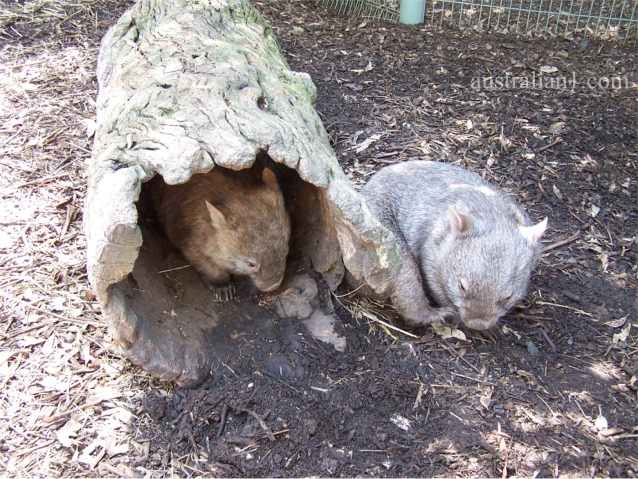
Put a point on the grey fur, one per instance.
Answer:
(423, 203)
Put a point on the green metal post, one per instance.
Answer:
(412, 12)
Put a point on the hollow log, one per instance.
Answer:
(186, 86)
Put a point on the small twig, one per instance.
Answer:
(349, 292)
(546, 405)
(506, 460)
(80, 322)
(461, 420)
(34, 448)
(454, 353)
(387, 325)
(532, 317)
(222, 421)
(563, 242)
(24, 331)
(46, 179)
(74, 407)
(482, 381)
(576, 310)
(549, 341)
(174, 269)
(552, 144)
(12, 223)
(70, 214)
(419, 397)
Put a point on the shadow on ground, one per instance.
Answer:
(288, 405)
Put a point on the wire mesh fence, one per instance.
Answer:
(377, 9)
(605, 19)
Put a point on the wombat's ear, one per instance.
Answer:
(217, 218)
(269, 179)
(460, 223)
(534, 233)
(519, 216)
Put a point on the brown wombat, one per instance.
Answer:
(228, 223)
(467, 248)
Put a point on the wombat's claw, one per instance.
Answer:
(490, 334)
(223, 294)
(444, 316)
(453, 320)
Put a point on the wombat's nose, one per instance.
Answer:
(481, 324)
(453, 320)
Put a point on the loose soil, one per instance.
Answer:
(551, 392)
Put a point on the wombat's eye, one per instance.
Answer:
(251, 263)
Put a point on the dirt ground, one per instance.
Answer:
(552, 392)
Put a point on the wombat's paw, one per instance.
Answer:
(443, 315)
(223, 294)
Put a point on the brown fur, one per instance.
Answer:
(228, 223)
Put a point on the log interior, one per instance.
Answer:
(178, 313)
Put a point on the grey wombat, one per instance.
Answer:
(465, 245)
(228, 223)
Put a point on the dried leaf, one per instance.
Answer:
(617, 323)
(601, 423)
(486, 397)
(89, 127)
(67, 432)
(526, 375)
(53, 383)
(604, 261)
(363, 146)
(612, 431)
(367, 68)
(401, 422)
(28, 341)
(122, 415)
(87, 456)
(447, 332)
(557, 127)
(57, 304)
(507, 330)
(114, 449)
(622, 335)
(7, 371)
(4, 359)
(594, 211)
(103, 393)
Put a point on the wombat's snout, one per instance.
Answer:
(269, 284)
(479, 314)
(480, 324)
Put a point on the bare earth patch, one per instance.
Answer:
(552, 392)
